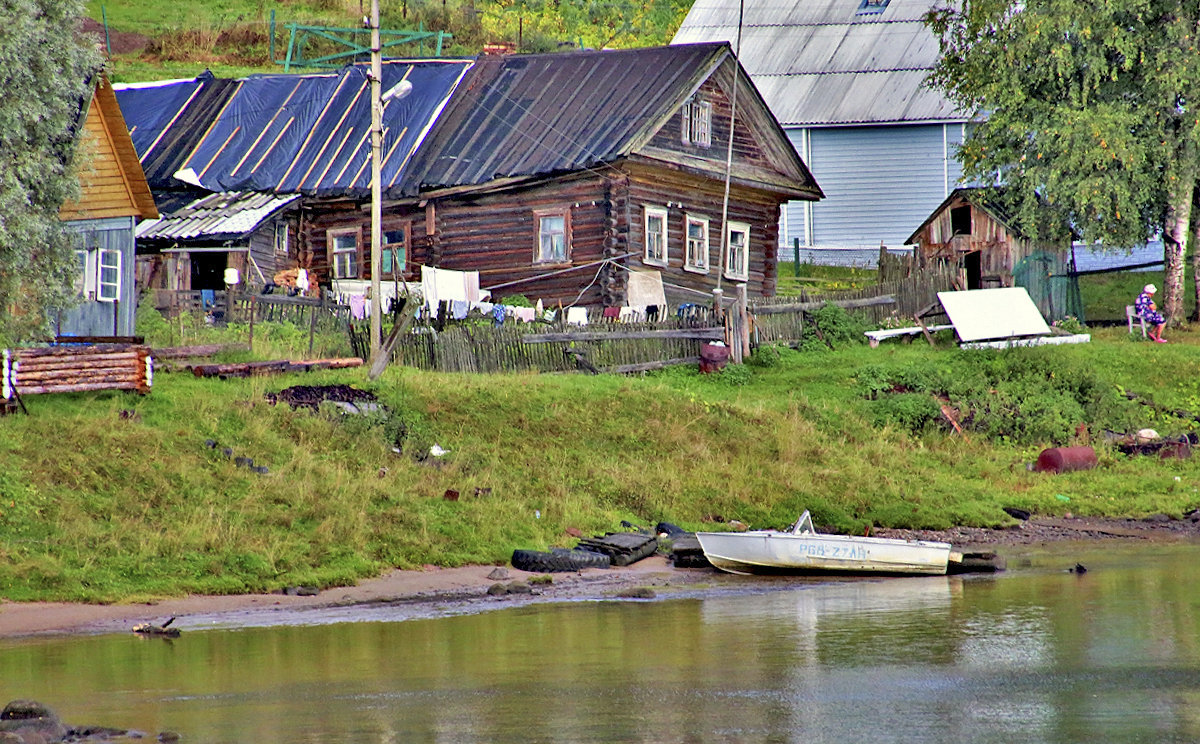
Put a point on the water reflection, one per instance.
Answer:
(1034, 655)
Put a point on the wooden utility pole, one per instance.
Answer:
(376, 167)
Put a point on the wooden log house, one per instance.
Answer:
(550, 174)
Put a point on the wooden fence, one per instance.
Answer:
(781, 319)
(242, 307)
(556, 347)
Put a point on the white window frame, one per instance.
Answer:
(85, 280)
(540, 255)
(108, 259)
(735, 269)
(337, 254)
(695, 256)
(697, 123)
(282, 239)
(652, 236)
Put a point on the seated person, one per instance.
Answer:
(1148, 311)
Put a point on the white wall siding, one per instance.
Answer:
(880, 182)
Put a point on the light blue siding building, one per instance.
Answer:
(846, 78)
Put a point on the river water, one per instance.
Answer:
(1036, 654)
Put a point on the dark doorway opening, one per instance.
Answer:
(973, 265)
(208, 270)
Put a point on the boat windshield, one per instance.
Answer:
(803, 525)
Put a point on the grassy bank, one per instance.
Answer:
(111, 497)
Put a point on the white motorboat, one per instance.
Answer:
(803, 549)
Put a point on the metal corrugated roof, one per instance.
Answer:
(222, 216)
(820, 62)
(545, 113)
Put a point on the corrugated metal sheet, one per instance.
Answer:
(548, 113)
(223, 216)
(823, 63)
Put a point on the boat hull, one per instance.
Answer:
(767, 551)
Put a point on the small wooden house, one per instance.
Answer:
(113, 195)
(969, 230)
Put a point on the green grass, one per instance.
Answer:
(98, 506)
(822, 278)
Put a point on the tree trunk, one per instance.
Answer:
(1195, 248)
(1175, 240)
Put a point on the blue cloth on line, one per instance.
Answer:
(208, 298)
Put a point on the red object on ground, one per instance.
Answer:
(1065, 459)
(713, 357)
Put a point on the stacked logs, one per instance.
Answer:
(246, 369)
(74, 369)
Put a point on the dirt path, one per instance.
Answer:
(436, 587)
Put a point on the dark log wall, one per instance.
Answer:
(745, 144)
(496, 235)
(684, 194)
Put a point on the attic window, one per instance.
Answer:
(870, 7)
(960, 220)
(697, 123)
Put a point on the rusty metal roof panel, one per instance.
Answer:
(825, 63)
(545, 113)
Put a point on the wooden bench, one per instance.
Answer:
(1131, 314)
(877, 336)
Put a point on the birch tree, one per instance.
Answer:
(1088, 113)
(44, 75)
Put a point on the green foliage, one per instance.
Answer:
(833, 327)
(45, 72)
(1070, 324)
(1024, 396)
(911, 412)
(1090, 119)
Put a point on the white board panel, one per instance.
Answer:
(1007, 312)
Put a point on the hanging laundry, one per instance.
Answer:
(577, 316)
(612, 312)
(446, 285)
(498, 313)
(627, 315)
(358, 306)
(526, 314)
(459, 309)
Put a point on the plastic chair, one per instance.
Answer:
(1131, 314)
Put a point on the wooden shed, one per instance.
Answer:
(969, 230)
(113, 195)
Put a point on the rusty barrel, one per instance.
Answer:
(1065, 459)
(713, 357)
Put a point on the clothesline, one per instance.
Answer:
(559, 271)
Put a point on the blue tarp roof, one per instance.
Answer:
(305, 134)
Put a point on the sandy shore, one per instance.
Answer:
(437, 590)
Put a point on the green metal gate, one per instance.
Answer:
(1051, 282)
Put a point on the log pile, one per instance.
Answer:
(74, 369)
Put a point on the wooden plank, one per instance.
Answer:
(139, 340)
(806, 306)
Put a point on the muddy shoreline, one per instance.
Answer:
(432, 591)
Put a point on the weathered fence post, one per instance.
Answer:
(253, 305)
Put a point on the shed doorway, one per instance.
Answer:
(973, 266)
(208, 269)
